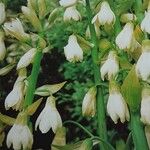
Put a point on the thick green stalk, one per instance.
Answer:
(102, 130)
(138, 134)
(33, 79)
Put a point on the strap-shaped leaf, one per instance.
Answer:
(131, 90)
(47, 90)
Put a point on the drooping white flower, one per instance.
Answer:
(125, 38)
(145, 106)
(67, 3)
(2, 46)
(128, 17)
(20, 136)
(15, 28)
(105, 15)
(49, 117)
(72, 13)
(110, 67)
(146, 22)
(16, 96)
(72, 50)
(89, 103)
(147, 133)
(143, 63)
(26, 59)
(116, 105)
(2, 13)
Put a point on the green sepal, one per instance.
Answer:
(131, 90)
(6, 119)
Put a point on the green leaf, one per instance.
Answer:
(47, 90)
(6, 69)
(6, 119)
(32, 108)
(120, 145)
(131, 90)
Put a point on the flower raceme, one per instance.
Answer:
(49, 117)
(105, 15)
(71, 13)
(116, 105)
(110, 67)
(125, 38)
(20, 135)
(145, 106)
(67, 3)
(89, 103)
(72, 50)
(2, 13)
(15, 28)
(2, 46)
(143, 63)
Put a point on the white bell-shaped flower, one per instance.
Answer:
(145, 24)
(15, 28)
(105, 15)
(110, 67)
(26, 59)
(72, 50)
(125, 38)
(67, 3)
(89, 103)
(143, 63)
(2, 46)
(2, 13)
(16, 96)
(116, 105)
(20, 136)
(71, 13)
(145, 106)
(49, 117)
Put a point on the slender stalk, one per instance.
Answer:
(101, 116)
(33, 79)
(138, 134)
(79, 125)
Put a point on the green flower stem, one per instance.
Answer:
(138, 134)
(79, 125)
(102, 130)
(33, 79)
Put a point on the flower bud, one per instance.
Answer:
(72, 50)
(50, 112)
(26, 59)
(89, 103)
(15, 28)
(110, 67)
(67, 3)
(145, 106)
(105, 15)
(20, 135)
(143, 63)
(2, 13)
(146, 22)
(42, 8)
(128, 17)
(32, 17)
(71, 13)
(116, 105)
(2, 46)
(121, 41)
